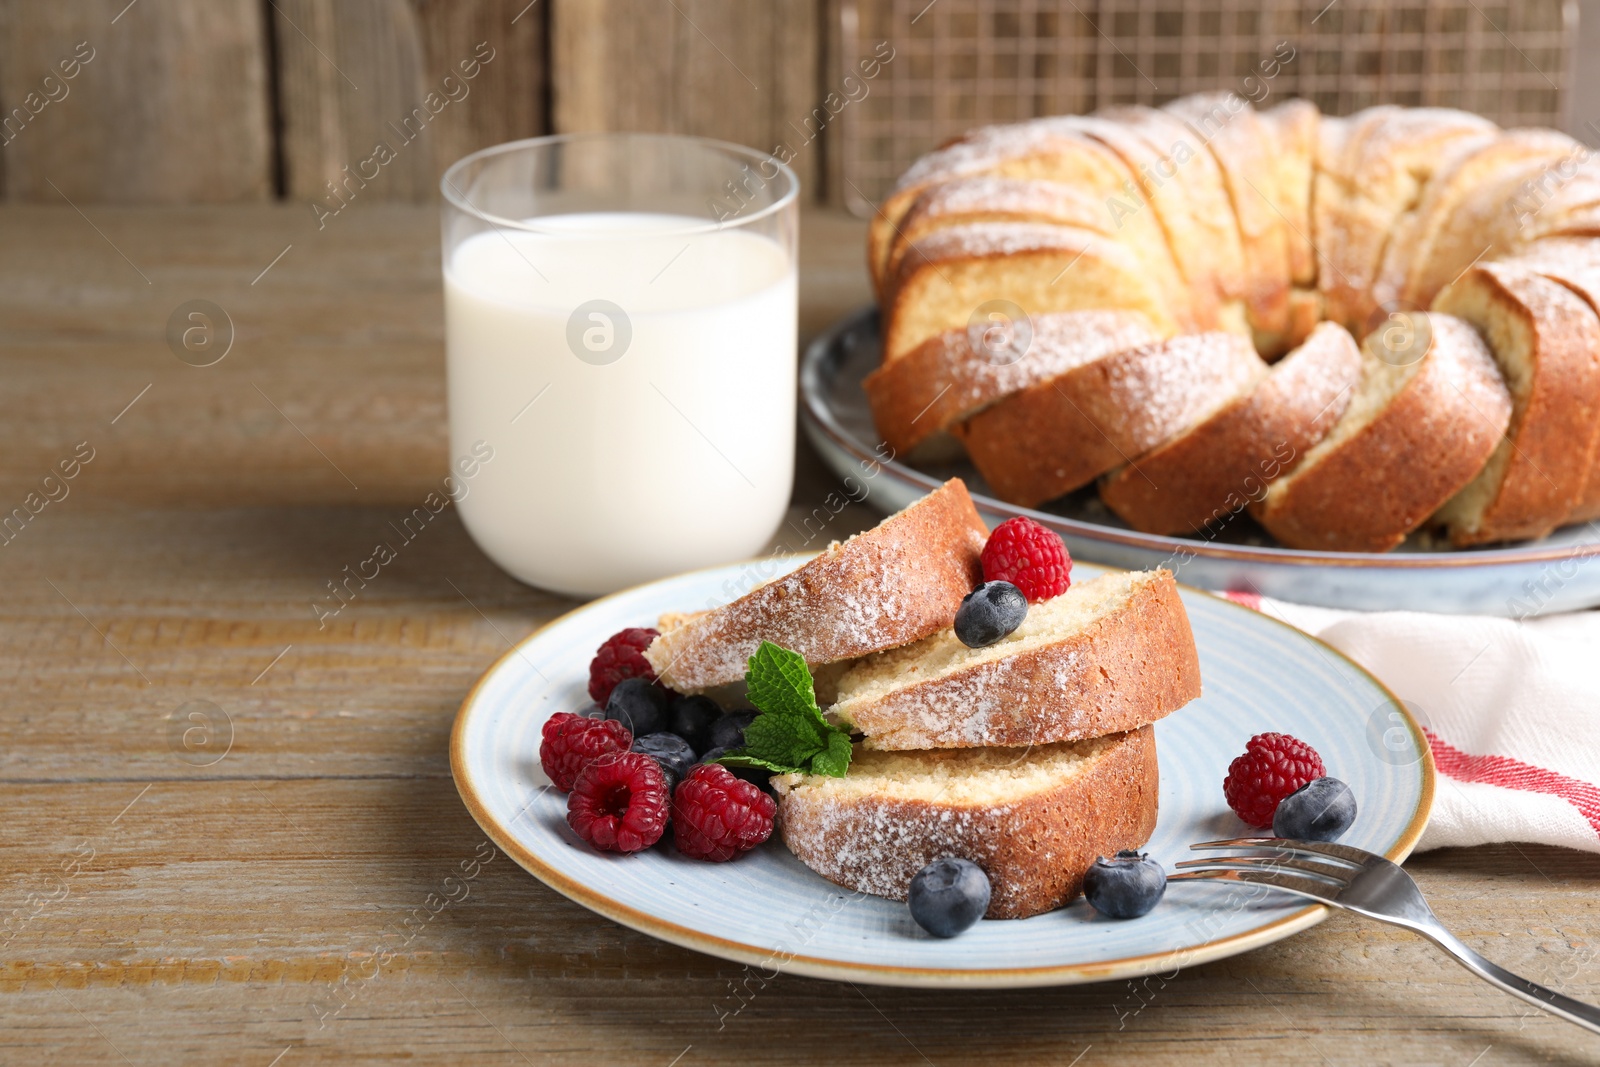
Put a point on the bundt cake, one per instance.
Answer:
(1218, 237)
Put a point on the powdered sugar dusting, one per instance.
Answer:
(1162, 389)
(1110, 654)
(888, 586)
(1023, 197)
(1459, 356)
(985, 148)
(1309, 389)
(1006, 239)
(1033, 819)
(945, 379)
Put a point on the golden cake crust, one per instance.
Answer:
(1035, 850)
(1123, 670)
(888, 586)
(1062, 433)
(945, 379)
(1384, 480)
(1224, 462)
(1543, 467)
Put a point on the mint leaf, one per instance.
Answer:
(779, 683)
(833, 761)
(784, 738)
(740, 759)
(790, 733)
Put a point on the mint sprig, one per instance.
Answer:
(789, 734)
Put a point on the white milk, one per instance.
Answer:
(679, 454)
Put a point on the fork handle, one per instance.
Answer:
(1574, 1011)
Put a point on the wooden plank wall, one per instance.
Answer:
(163, 102)
(174, 101)
(431, 80)
(730, 69)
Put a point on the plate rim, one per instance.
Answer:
(821, 417)
(893, 975)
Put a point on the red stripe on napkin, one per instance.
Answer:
(1509, 773)
(1249, 600)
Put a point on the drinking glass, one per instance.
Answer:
(620, 326)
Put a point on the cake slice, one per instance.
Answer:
(1229, 459)
(1547, 342)
(1160, 187)
(1186, 166)
(960, 372)
(1334, 184)
(1424, 418)
(1385, 164)
(1034, 819)
(1562, 201)
(1575, 263)
(1467, 212)
(1064, 432)
(1292, 127)
(1242, 145)
(888, 586)
(989, 199)
(1119, 216)
(1041, 149)
(947, 276)
(1108, 655)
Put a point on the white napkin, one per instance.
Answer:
(1511, 709)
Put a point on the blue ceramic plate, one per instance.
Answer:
(1559, 573)
(768, 910)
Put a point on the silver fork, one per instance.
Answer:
(1367, 884)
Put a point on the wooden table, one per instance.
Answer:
(161, 911)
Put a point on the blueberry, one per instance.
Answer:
(638, 704)
(1320, 810)
(728, 731)
(948, 895)
(754, 775)
(990, 612)
(692, 718)
(670, 751)
(1125, 886)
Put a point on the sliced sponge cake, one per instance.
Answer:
(947, 275)
(1064, 432)
(1034, 818)
(952, 376)
(1547, 342)
(1428, 411)
(1222, 462)
(1110, 654)
(885, 587)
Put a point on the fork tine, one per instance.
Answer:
(1339, 875)
(1289, 883)
(1348, 853)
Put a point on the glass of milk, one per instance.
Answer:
(620, 323)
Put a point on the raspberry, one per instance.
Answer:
(1272, 767)
(622, 656)
(619, 803)
(715, 816)
(1029, 556)
(571, 741)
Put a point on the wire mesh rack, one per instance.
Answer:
(956, 64)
